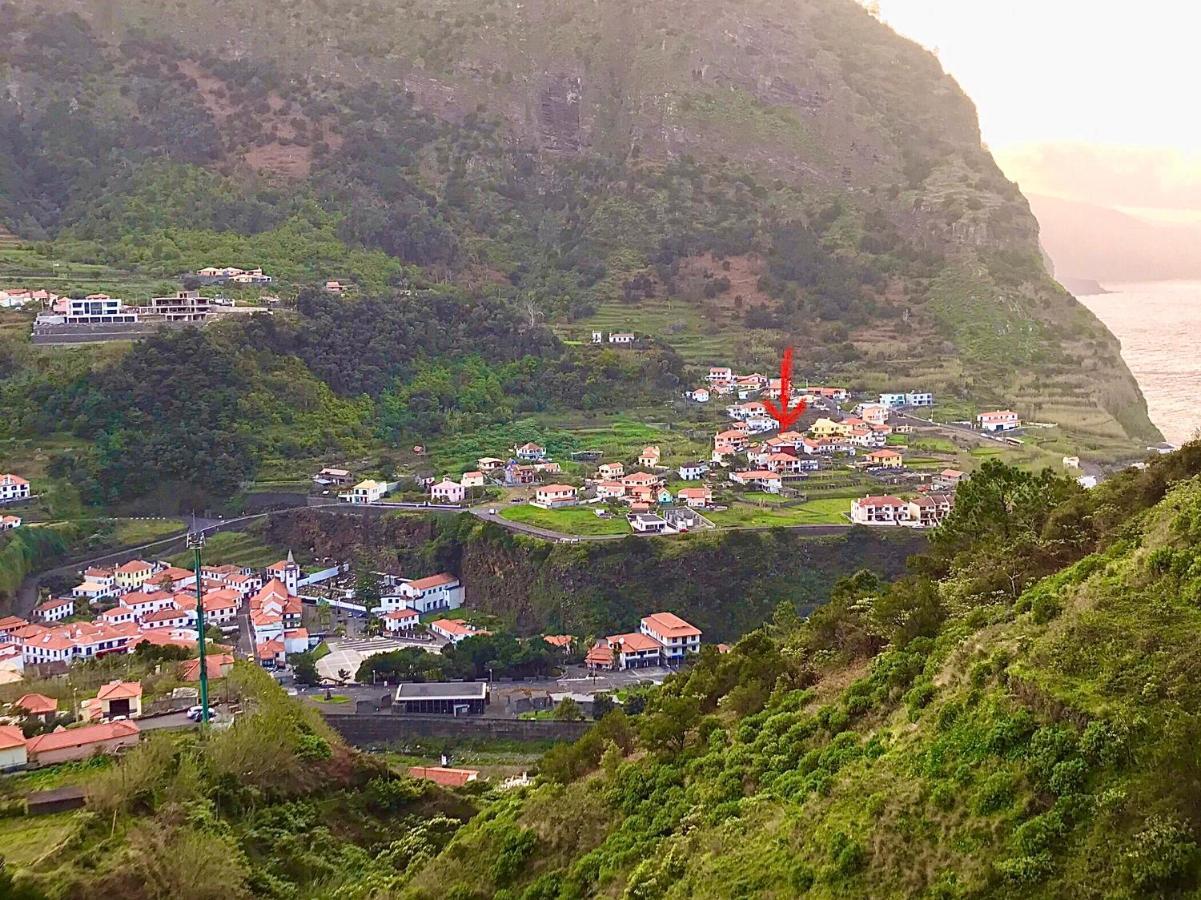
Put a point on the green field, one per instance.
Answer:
(132, 532)
(573, 520)
(232, 548)
(679, 323)
(26, 839)
(826, 511)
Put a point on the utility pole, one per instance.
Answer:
(196, 542)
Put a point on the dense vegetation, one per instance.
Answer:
(479, 656)
(1014, 718)
(187, 416)
(872, 231)
(726, 583)
(275, 806)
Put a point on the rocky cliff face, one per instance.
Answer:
(569, 148)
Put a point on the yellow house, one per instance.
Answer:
(133, 574)
(887, 459)
(825, 428)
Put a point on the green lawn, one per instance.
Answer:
(573, 520)
(825, 511)
(26, 839)
(132, 532)
(934, 445)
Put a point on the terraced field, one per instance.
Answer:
(236, 548)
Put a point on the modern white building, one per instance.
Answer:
(998, 420)
(677, 637)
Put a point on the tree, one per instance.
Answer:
(304, 668)
(367, 588)
(343, 676)
(665, 728)
(602, 705)
(567, 711)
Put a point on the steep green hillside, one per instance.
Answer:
(1016, 718)
(726, 177)
(275, 806)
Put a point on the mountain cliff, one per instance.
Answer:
(793, 172)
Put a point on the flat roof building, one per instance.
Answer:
(442, 698)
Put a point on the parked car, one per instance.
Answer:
(194, 713)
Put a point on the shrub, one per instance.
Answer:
(995, 794)
(1162, 852)
(515, 849)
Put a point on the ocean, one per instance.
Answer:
(1159, 324)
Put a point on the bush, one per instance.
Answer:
(995, 794)
(1163, 851)
(516, 848)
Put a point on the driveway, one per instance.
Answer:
(349, 654)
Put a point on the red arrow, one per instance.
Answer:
(782, 413)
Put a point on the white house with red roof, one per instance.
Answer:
(13, 487)
(400, 620)
(54, 610)
(554, 496)
(610, 471)
(167, 618)
(435, 592)
(610, 490)
(720, 373)
(8, 522)
(454, 630)
(998, 420)
(472, 480)
(696, 498)
(761, 478)
(649, 457)
(880, 510)
(727, 443)
(531, 451)
(677, 637)
(142, 603)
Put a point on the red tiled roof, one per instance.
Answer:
(633, 642)
(164, 615)
(885, 500)
(451, 626)
(120, 690)
(214, 663)
(37, 704)
(11, 737)
(671, 625)
(559, 640)
(135, 565)
(433, 581)
(401, 614)
(79, 737)
(270, 650)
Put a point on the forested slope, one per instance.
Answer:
(793, 172)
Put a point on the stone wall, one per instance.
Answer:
(383, 730)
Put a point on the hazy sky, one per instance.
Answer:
(1119, 72)
(1085, 99)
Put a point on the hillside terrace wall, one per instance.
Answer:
(369, 731)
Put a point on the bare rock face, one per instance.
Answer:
(559, 114)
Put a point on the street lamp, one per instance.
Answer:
(196, 543)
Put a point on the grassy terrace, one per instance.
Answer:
(826, 511)
(573, 520)
(233, 548)
(678, 323)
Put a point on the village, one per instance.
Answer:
(149, 612)
(851, 462)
